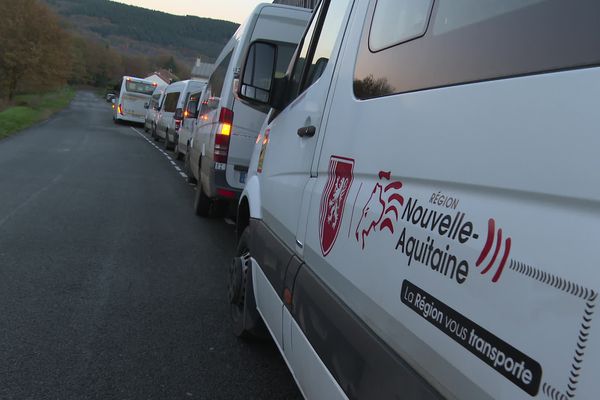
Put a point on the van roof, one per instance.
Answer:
(263, 10)
(181, 85)
(133, 78)
(261, 6)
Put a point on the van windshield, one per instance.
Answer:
(140, 87)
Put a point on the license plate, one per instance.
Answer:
(243, 177)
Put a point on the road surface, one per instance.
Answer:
(110, 287)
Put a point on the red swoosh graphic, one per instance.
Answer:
(385, 174)
(488, 242)
(397, 197)
(498, 245)
(393, 185)
(387, 223)
(504, 258)
(394, 209)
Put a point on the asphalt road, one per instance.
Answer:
(110, 287)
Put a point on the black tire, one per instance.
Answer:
(246, 321)
(187, 168)
(202, 203)
(167, 144)
(154, 135)
(178, 154)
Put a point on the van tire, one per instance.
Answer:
(202, 203)
(246, 321)
(187, 168)
(154, 135)
(178, 154)
(167, 143)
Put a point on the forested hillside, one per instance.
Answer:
(47, 43)
(145, 32)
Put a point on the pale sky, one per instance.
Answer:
(229, 10)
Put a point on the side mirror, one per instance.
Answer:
(146, 106)
(257, 77)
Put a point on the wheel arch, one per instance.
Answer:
(249, 204)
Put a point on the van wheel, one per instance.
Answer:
(247, 322)
(167, 143)
(154, 135)
(178, 154)
(187, 168)
(202, 202)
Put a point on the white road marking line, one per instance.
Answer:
(164, 153)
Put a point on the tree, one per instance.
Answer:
(370, 87)
(34, 50)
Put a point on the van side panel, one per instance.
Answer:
(467, 237)
(472, 222)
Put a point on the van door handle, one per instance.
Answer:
(307, 131)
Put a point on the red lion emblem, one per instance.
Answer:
(380, 211)
(333, 200)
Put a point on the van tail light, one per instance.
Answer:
(178, 117)
(223, 135)
(121, 109)
(228, 194)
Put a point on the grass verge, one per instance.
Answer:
(32, 108)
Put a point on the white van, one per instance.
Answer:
(171, 111)
(152, 109)
(226, 130)
(135, 93)
(423, 211)
(191, 108)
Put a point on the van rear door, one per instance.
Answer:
(283, 26)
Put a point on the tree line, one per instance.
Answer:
(38, 53)
(202, 35)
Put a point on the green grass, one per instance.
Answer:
(32, 108)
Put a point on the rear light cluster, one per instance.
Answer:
(121, 109)
(178, 119)
(223, 135)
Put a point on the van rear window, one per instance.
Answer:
(475, 40)
(171, 102)
(139, 87)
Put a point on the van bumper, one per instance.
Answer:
(223, 190)
(131, 118)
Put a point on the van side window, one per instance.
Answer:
(329, 32)
(192, 103)
(171, 102)
(215, 83)
(317, 45)
(467, 41)
(217, 78)
(300, 61)
(398, 21)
